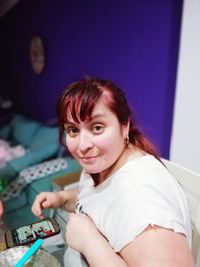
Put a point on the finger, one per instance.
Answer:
(41, 216)
(33, 209)
(36, 212)
(36, 208)
(39, 202)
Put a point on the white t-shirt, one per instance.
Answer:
(141, 193)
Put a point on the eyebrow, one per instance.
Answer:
(96, 116)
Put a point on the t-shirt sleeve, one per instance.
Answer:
(123, 215)
(133, 209)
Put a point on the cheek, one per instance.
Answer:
(71, 145)
(109, 143)
(104, 146)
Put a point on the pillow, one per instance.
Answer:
(45, 136)
(22, 162)
(23, 130)
(32, 157)
(43, 169)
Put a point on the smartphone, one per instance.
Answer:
(29, 233)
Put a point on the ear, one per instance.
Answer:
(126, 129)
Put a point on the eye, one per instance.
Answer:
(72, 131)
(97, 129)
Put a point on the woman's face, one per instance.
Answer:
(96, 144)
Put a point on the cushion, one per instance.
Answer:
(7, 173)
(45, 185)
(13, 189)
(15, 203)
(43, 169)
(23, 130)
(33, 157)
(29, 159)
(45, 137)
(19, 214)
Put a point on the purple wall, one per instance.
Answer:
(134, 43)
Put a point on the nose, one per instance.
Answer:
(85, 142)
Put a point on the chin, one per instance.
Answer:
(91, 169)
(93, 166)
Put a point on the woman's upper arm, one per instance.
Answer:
(158, 247)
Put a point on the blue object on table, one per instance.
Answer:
(36, 245)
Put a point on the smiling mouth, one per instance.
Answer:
(87, 158)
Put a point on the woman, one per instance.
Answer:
(130, 211)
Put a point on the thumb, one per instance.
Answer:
(45, 204)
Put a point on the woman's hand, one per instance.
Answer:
(46, 200)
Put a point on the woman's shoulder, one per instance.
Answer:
(145, 169)
(143, 163)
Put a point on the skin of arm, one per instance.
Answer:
(83, 236)
(159, 247)
(46, 200)
(154, 247)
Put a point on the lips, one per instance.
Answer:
(88, 157)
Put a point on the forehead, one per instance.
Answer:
(100, 111)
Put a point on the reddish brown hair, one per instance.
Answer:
(78, 100)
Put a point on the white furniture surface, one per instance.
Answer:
(190, 182)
